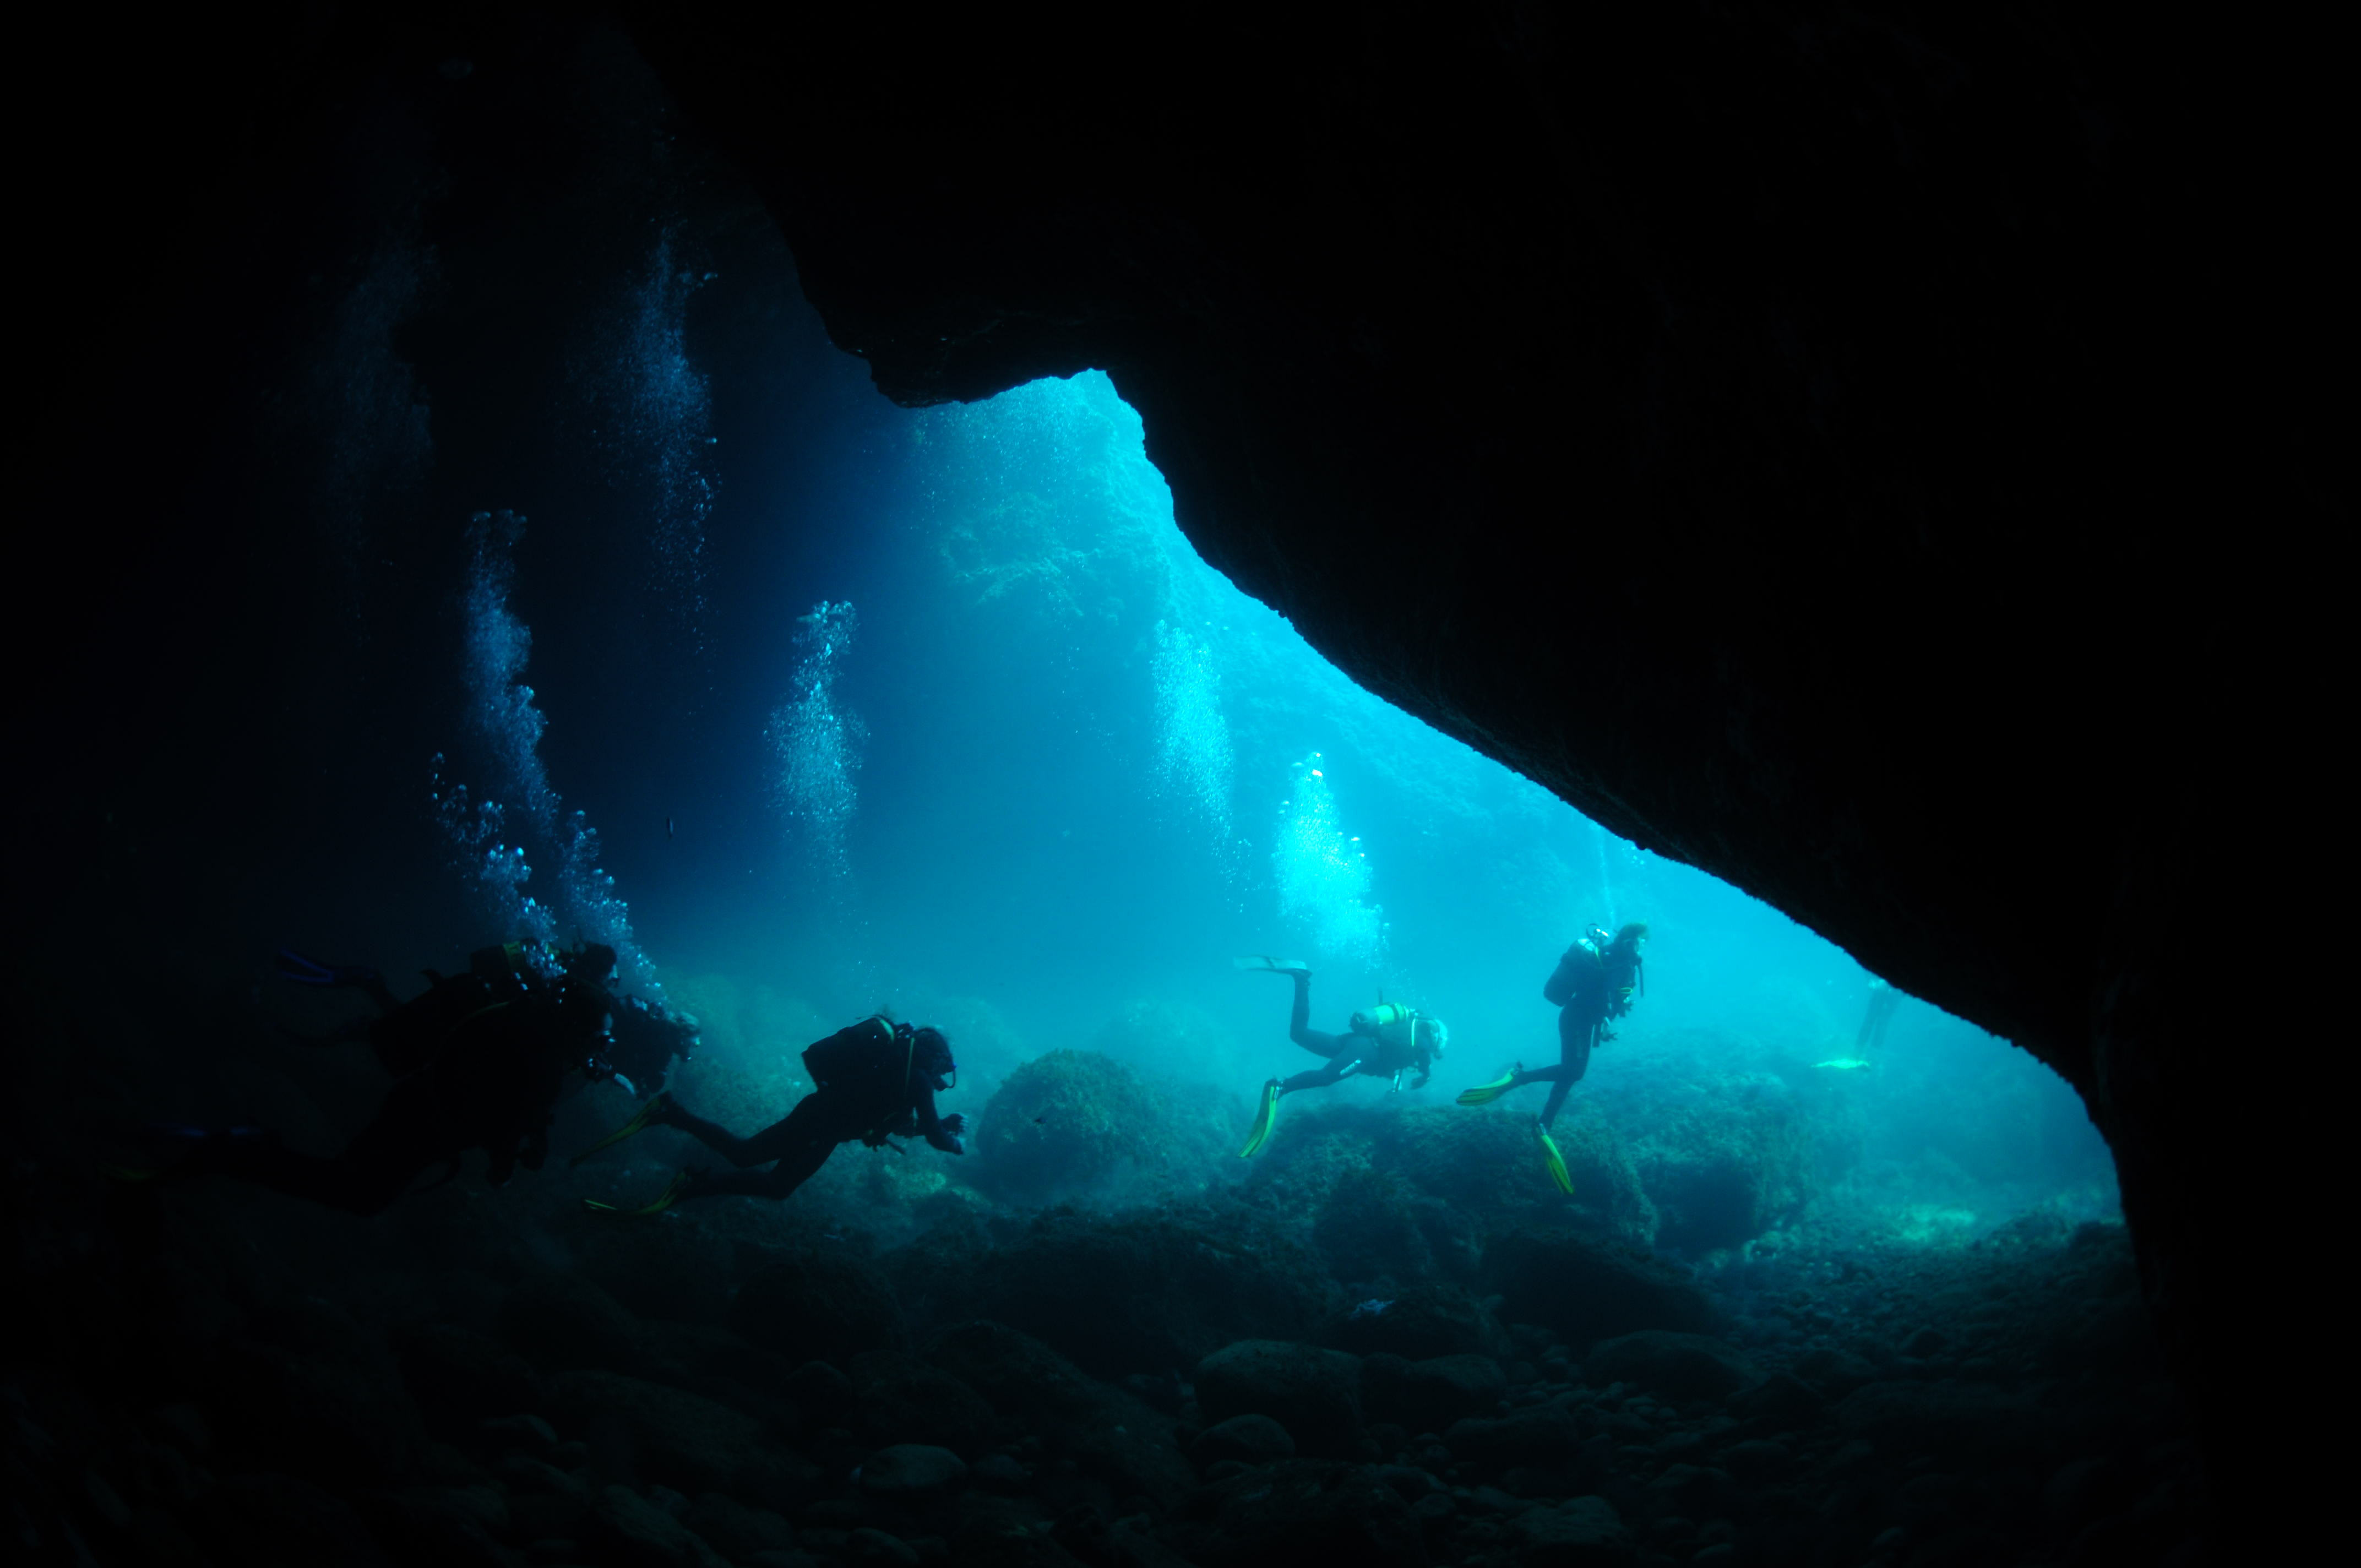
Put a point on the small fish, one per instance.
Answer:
(1041, 1118)
(668, 830)
(1844, 1064)
(1370, 1308)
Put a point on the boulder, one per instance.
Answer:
(1951, 1419)
(338, 1416)
(632, 1532)
(522, 1434)
(1675, 1366)
(1063, 1126)
(1581, 1532)
(1249, 1440)
(805, 1303)
(1302, 1511)
(1690, 1491)
(736, 1530)
(446, 1524)
(678, 1438)
(559, 1320)
(1154, 1290)
(1539, 1435)
(1418, 1323)
(265, 1517)
(1110, 1436)
(1585, 1290)
(1313, 1393)
(1781, 1402)
(909, 1471)
(898, 1398)
(1023, 1379)
(1428, 1396)
(461, 1379)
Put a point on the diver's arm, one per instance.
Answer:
(930, 1126)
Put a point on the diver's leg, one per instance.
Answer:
(740, 1152)
(817, 1119)
(1299, 1022)
(797, 1167)
(1320, 1077)
(1574, 1045)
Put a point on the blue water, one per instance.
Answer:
(1005, 754)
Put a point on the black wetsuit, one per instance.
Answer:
(481, 1066)
(1369, 1055)
(892, 1095)
(1589, 987)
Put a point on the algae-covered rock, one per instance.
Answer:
(1061, 1125)
(1080, 1125)
(1585, 1290)
(1403, 1192)
(1723, 1156)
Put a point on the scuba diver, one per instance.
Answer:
(1593, 982)
(874, 1080)
(478, 1059)
(1385, 1042)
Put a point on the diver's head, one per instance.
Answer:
(1434, 1038)
(593, 961)
(1629, 937)
(931, 1054)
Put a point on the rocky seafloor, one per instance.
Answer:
(1387, 1341)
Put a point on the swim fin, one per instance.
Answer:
(1485, 1094)
(1265, 1116)
(665, 1199)
(657, 1103)
(1276, 966)
(1554, 1160)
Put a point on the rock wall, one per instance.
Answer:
(1803, 438)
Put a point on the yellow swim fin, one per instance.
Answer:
(1485, 1094)
(1554, 1160)
(1265, 1116)
(657, 1103)
(665, 1199)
